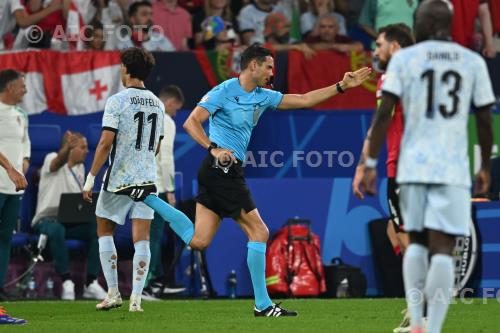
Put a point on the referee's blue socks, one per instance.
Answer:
(177, 220)
(256, 261)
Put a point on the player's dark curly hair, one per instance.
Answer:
(398, 32)
(138, 62)
(254, 51)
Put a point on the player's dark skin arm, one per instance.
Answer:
(379, 127)
(101, 154)
(380, 124)
(485, 137)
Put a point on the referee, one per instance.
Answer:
(233, 109)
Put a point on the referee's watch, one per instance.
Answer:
(339, 88)
(212, 146)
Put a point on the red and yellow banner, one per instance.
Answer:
(326, 68)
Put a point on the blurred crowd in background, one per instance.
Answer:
(181, 25)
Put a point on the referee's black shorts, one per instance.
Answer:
(226, 194)
(393, 200)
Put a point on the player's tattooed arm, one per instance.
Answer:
(101, 155)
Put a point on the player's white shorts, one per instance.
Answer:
(443, 208)
(115, 207)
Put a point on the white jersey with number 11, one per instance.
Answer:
(136, 116)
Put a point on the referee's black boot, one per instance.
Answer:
(274, 310)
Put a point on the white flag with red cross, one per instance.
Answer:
(67, 83)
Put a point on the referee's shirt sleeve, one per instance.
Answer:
(111, 117)
(393, 82)
(213, 100)
(274, 98)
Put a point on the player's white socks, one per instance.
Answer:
(109, 263)
(142, 256)
(415, 265)
(438, 290)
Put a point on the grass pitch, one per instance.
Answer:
(220, 316)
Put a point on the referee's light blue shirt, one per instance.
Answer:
(234, 113)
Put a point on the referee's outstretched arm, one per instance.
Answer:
(350, 80)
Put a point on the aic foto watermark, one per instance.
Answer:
(294, 159)
(86, 33)
(464, 296)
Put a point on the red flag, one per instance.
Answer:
(327, 68)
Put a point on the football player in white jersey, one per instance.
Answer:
(437, 81)
(131, 134)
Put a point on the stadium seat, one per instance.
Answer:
(44, 139)
(75, 244)
(19, 239)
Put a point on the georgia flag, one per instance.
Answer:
(71, 83)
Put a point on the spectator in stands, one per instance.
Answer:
(94, 37)
(277, 34)
(64, 172)
(110, 12)
(42, 36)
(192, 6)
(218, 8)
(465, 13)
(217, 34)
(173, 99)
(175, 22)
(13, 13)
(379, 13)
(251, 21)
(329, 39)
(142, 32)
(15, 145)
(317, 8)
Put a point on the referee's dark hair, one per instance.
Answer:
(138, 62)
(255, 51)
(172, 91)
(7, 76)
(398, 32)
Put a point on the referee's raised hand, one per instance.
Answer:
(354, 79)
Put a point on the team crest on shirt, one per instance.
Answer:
(257, 111)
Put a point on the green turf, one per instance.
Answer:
(342, 316)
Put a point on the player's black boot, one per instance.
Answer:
(274, 310)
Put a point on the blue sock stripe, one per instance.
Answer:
(257, 246)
